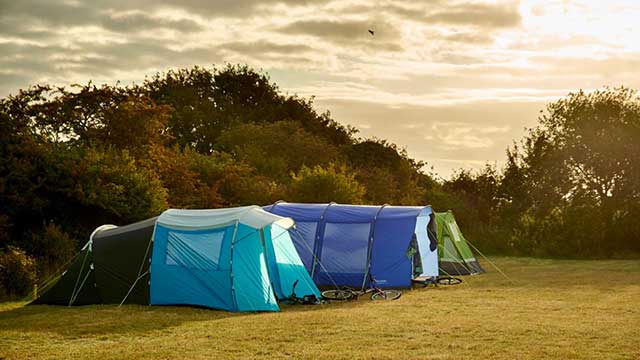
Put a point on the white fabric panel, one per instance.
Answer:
(429, 258)
(252, 216)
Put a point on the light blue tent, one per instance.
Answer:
(342, 244)
(238, 259)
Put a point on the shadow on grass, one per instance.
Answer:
(111, 320)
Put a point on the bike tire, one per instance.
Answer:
(386, 295)
(337, 294)
(449, 281)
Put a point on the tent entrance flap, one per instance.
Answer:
(427, 245)
(192, 267)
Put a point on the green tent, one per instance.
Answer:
(455, 256)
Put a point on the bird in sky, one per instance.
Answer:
(371, 32)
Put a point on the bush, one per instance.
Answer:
(17, 273)
(334, 183)
(51, 247)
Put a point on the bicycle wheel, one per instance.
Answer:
(337, 294)
(449, 281)
(386, 295)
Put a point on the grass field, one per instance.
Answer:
(552, 309)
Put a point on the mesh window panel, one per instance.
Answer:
(454, 231)
(304, 239)
(194, 250)
(345, 247)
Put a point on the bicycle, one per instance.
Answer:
(305, 300)
(377, 293)
(438, 280)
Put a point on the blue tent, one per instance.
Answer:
(239, 259)
(342, 244)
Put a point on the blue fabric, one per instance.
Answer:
(351, 240)
(233, 267)
(390, 265)
(303, 236)
(182, 274)
(344, 253)
(251, 282)
(285, 263)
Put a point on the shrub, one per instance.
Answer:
(51, 247)
(333, 183)
(17, 273)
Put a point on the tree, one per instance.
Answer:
(574, 184)
(387, 172)
(319, 184)
(276, 149)
(208, 101)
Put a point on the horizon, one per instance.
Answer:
(455, 83)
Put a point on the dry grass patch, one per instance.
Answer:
(553, 309)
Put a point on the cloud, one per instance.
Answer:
(348, 33)
(469, 37)
(479, 15)
(264, 46)
(54, 15)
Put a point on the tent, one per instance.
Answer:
(454, 253)
(343, 244)
(237, 259)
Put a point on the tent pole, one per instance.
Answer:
(73, 293)
(370, 248)
(141, 266)
(233, 291)
(317, 243)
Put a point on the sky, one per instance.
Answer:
(454, 82)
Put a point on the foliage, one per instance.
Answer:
(51, 248)
(333, 183)
(570, 188)
(277, 149)
(387, 172)
(17, 273)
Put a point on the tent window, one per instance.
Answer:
(454, 231)
(307, 230)
(304, 239)
(194, 250)
(345, 247)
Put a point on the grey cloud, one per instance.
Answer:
(20, 17)
(348, 32)
(208, 8)
(137, 22)
(484, 15)
(261, 47)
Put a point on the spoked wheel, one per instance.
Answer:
(449, 280)
(338, 294)
(386, 295)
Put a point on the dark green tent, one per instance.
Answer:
(102, 273)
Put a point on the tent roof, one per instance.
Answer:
(341, 213)
(252, 216)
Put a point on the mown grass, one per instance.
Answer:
(552, 309)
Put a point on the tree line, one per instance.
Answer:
(73, 158)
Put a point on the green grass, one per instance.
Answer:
(553, 309)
